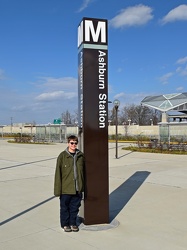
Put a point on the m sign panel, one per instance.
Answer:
(93, 116)
(92, 31)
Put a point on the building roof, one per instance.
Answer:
(177, 101)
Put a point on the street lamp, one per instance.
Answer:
(116, 106)
(21, 133)
(129, 122)
(11, 123)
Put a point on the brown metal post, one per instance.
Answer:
(93, 116)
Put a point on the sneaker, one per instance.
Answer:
(74, 228)
(67, 229)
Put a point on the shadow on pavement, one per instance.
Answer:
(125, 154)
(121, 196)
(25, 211)
(27, 163)
(117, 199)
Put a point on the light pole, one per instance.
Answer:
(21, 133)
(11, 123)
(116, 106)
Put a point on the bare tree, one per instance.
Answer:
(69, 118)
(141, 115)
(75, 117)
(66, 117)
(156, 116)
(133, 114)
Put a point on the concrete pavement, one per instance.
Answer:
(148, 205)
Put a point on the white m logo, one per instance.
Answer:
(90, 32)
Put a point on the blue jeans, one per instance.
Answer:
(69, 208)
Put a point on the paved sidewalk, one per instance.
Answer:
(147, 198)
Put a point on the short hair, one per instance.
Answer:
(73, 138)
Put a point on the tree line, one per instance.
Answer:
(129, 114)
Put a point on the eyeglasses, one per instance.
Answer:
(73, 143)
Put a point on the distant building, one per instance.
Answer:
(177, 103)
(174, 114)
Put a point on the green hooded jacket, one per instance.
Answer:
(69, 174)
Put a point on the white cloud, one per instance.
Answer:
(20, 108)
(51, 96)
(184, 71)
(177, 14)
(56, 95)
(132, 16)
(119, 70)
(164, 79)
(2, 75)
(179, 88)
(182, 60)
(179, 69)
(52, 83)
(120, 95)
(47, 100)
(56, 88)
(126, 98)
(84, 5)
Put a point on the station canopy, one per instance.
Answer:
(168, 102)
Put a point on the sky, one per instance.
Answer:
(147, 53)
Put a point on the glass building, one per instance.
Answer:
(174, 114)
(164, 103)
(51, 133)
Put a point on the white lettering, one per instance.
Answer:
(81, 71)
(102, 69)
(102, 110)
(80, 80)
(101, 29)
(86, 28)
